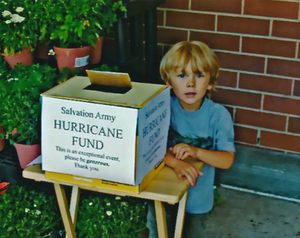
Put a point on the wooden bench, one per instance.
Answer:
(165, 187)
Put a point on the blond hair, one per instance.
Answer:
(197, 53)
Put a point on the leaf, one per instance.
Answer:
(59, 17)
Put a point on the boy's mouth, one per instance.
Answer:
(189, 95)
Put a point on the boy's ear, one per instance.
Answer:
(209, 87)
(168, 83)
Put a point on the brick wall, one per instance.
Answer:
(257, 42)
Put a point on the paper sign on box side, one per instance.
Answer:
(105, 184)
(102, 135)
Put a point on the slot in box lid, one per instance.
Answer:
(76, 89)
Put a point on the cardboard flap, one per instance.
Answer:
(76, 89)
(109, 78)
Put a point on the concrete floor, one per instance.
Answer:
(246, 215)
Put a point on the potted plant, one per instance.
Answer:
(22, 109)
(18, 30)
(107, 17)
(4, 74)
(4, 68)
(77, 24)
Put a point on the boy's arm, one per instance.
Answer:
(218, 159)
(182, 169)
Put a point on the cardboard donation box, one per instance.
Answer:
(104, 128)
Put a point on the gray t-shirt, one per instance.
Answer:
(209, 127)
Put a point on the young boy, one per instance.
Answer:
(199, 128)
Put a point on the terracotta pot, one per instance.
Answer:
(2, 141)
(4, 186)
(41, 51)
(72, 57)
(25, 57)
(27, 153)
(95, 55)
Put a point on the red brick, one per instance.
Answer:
(170, 36)
(260, 119)
(160, 18)
(294, 125)
(178, 4)
(227, 78)
(217, 41)
(284, 67)
(297, 88)
(271, 8)
(265, 84)
(269, 47)
(190, 20)
(286, 29)
(280, 104)
(241, 62)
(244, 134)
(283, 141)
(228, 6)
(243, 25)
(238, 98)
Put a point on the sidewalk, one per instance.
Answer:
(246, 215)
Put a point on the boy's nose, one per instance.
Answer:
(191, 82)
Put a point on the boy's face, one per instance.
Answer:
(189, 88)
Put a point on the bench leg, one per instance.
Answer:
(64, 210)
(180, 216)
(161, 219)
(75, 196)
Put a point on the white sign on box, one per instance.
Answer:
(109, 142)
(89, 137)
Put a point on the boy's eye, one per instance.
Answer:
(181, 76)
(198, 76)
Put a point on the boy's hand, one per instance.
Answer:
(182, 151)
(186, 170)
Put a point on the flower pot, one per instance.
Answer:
(4, 187)
(27, 153)
(25, 57)
(2, 141)
(95, 55)
(72, 57)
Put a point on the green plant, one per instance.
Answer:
(22, 109)
(4, 74)
(4, 69)
(3, 95)
(218, 199)
(108, 216)
(28, 213)
(19, 25)
(77, 23)
(105, 67)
